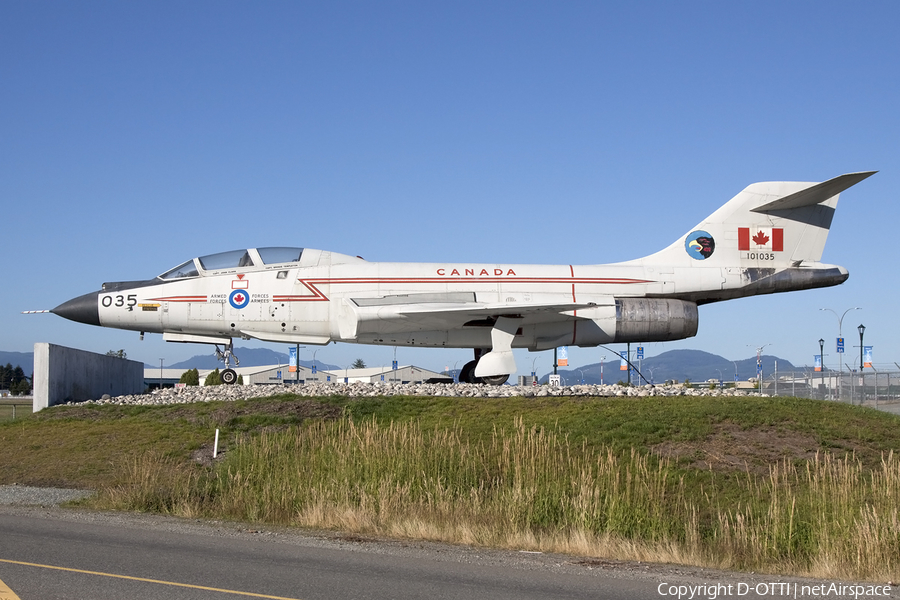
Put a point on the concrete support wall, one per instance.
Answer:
(68, 375)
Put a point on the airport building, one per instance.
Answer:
(155, 377)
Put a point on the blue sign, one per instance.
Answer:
(818, 363)
(562, 356)
(735, 377)
(314, 368)
(640, 352)
(277, 374)
(394, 365)
(840, 345)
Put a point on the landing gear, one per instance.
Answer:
(496, 379)
(467, 373)
(228, 375)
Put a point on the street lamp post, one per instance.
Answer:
(297, 378)
(394, 366)
(533, 372)
(822, 360)
(759, 371)
(840, 351)
(602, 358)
(862, 330)
(862, 377)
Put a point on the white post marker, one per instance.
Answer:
(216, 444)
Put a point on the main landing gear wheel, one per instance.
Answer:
(495, 379)
(467, 373)
(228, 376)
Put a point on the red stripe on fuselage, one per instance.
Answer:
(180, 299)
(318, 296)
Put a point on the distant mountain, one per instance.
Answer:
(249, 357)
(694, 365)
(18, 359)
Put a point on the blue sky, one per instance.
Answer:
(134, 136)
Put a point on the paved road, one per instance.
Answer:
(47, 554)
(50, 553)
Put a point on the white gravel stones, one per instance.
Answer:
(38, 496)
(239, 392)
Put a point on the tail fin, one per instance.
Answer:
(768, 225)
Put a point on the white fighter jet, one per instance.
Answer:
(767, 239)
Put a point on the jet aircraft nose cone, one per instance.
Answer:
(83, 309)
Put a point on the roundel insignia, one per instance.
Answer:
(699, 245)
(239, 299)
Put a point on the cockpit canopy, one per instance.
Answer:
(234, 259)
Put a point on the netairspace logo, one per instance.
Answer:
(711, 591)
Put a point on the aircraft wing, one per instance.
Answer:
(459, 308)
(495, 310)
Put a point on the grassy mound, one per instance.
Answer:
(764, 484)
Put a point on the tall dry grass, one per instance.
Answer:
(827, 517)
(529, 488)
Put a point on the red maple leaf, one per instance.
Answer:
(761, 239)
(239, 298)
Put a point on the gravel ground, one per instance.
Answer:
(24, 495)
(236, 392)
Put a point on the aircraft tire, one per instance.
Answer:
(467, 373)
(496, 379)
(229, 377)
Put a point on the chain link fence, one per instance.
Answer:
(877, 389)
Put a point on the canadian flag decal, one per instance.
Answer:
(761, 238)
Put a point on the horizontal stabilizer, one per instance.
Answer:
(815, 194)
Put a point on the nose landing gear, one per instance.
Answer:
(229, 376)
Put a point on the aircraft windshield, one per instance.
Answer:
(235, 259)
(186, 269)
(226, 260)
(271, 256)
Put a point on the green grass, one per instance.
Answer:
(765, 484)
